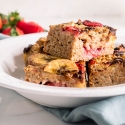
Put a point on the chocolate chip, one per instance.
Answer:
(79, 22)
(119, 53)
(40, 83)
(112, 30)
(89, 28)
(124, 63)
(122, 46)
(27, 49)
(117, 60)
(116, 48)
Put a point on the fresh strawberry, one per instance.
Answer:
(12, 31)
(17, 25)
(1, 23)
(92, 23)
(7, 31)
(29, 27)
(19, 31)
(10, 20)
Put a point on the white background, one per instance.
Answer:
(46, 12)
(64, 8)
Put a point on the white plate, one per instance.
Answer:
(12, 76)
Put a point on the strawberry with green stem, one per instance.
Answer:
(9, 24)
(13, 23)
(27, 27)
(13, 31)
(13, 18)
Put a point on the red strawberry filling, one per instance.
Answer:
(80, 66)
(89, 54)
(73, 30)
(56, 84)
(92, 62)
(92, 23)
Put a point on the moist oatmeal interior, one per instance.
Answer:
(76, 41)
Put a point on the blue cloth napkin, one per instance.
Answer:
(2, 36)
(107, 112)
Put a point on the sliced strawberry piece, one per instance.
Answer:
(82, 69)
(80, 66)
(92, 62)
(90, 53)
(29, 27)
(73, 30)
(92, 23)
(19, 31)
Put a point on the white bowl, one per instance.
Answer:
(12, 76)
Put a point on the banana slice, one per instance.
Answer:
(61, 67)
(40, 59)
